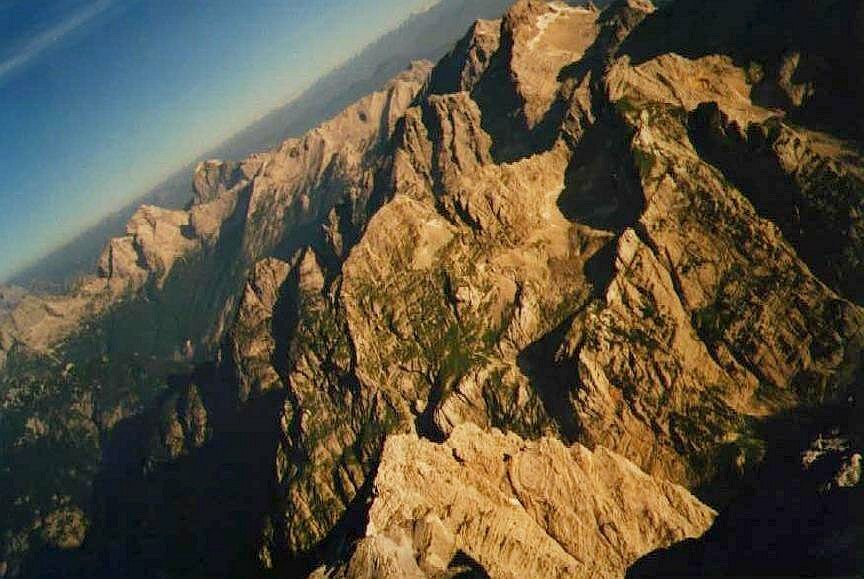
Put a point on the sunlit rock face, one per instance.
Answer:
(515, 508)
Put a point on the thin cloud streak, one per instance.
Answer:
(42, 42)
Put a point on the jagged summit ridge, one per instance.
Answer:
(268, 194)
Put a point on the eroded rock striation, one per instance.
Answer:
(517, 508)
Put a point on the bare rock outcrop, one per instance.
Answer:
(516, 508)
(463, 67)
(155, 239)
(251, 337)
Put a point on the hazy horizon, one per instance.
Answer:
(100, 101)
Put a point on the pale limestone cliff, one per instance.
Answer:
(517, 508)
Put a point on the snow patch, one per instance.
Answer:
(544, 21)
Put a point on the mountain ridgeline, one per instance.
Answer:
(425, 35)
(581, 299)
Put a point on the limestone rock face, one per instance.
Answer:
(38, 321)
(304, 178)
(214, 178)
(804, 180)
(461, 69)
(251, 337)
(183, 426)
(516, 508)
(171, 291)
(540, 38)
(155, 239)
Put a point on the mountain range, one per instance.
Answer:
(426, 35)
(580, 299)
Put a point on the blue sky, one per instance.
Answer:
(101, 99)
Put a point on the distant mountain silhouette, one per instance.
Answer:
(425, 35)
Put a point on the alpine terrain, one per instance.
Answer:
(582, 299)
